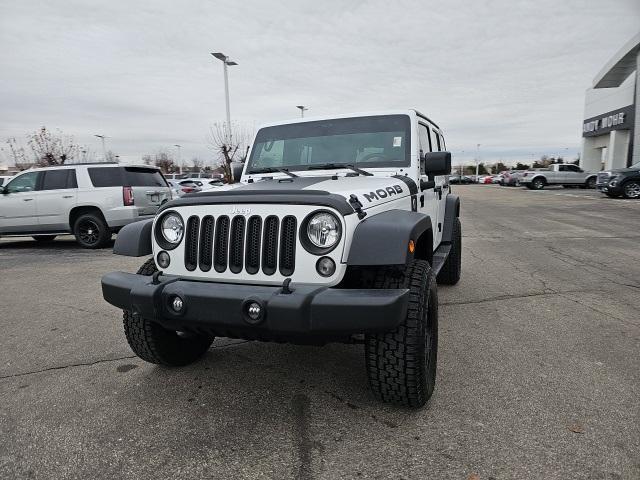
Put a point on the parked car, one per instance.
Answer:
(4, 179)
(212, 184)
(190, 186)
(174, 176)
(621, 182)
(496, 179)
(91, 201)
(488, 180)
(565, 174)
(511, 178)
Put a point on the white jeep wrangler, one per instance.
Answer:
(337, 231)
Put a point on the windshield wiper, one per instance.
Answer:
(329, 166)
(274, 170)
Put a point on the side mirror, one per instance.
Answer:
(437, 163)
(236, 170)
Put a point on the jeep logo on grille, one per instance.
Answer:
(240, 211)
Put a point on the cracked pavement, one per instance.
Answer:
(538, 368)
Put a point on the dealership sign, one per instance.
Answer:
(621, 119)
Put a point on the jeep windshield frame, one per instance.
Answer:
(377, 141)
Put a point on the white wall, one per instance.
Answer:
(603, 100)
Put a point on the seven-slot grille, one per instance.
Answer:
(602, 177)
(240, 244)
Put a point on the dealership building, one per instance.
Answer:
(611, 129)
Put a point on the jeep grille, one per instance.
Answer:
(239, 244)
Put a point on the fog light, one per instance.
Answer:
(325, 266)
(177, 304)
(163, 259)
(253, 311)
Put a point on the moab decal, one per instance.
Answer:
(383, 193)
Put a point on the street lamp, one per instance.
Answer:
(226, 62)
(477, 160)
(104, 150)
(302, 109)
(179, 147)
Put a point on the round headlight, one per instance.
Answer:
(323, 230)
(172, 228)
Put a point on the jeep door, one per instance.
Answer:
(57, 195)
(18, 210)
(428, 199)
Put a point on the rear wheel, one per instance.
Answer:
(401, 364)
(155, 344)
(631, 189)
(91, 231)
(44, 238)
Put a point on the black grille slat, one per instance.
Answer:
(191, 244)
(288, 246)
(206, 243)
(254, 237)
(236, 251)
(221, 244)
(270, 245)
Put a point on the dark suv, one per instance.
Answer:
(622, 182)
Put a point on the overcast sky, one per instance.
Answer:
(508, 74)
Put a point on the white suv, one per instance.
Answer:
(89, 200)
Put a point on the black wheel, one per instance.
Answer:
(91, 231)
(452, 268)
(538, 183)
(591, 182)
(155, 344)
(631, 189)
(44, 238)
(401, 364)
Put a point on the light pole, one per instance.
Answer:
(104, 150)
(302, 110)
(179, 147)
(226, 62)
(477, 160)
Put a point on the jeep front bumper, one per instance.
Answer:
(224, 308)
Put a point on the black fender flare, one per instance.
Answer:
(383, 239)
(451, 212)
(134, 240)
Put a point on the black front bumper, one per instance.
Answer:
(221, 308)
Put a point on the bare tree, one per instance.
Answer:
(47, 148)
(111, 157)
(147, 159)
(164, 161)
(197, 163)
(229, 145)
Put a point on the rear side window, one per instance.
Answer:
(126, 176)
(106, 177)
(143, 177)
(59, 179)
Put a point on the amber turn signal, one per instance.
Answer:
(412, 246)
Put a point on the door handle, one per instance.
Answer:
(27, 199)
(67, 196)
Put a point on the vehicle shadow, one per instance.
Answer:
(60, 243)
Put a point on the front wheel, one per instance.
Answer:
(155, 344)
(538, 184)
(401, 364)
(91, 231)
(631, 189)
(591, 182)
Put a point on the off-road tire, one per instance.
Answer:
(401, 364)
(538, 183)
(99, 234)
(155, 344)
(452, 268)
(43, 238)
(631, 189)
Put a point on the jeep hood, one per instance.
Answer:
(370, 190)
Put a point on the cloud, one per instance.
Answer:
(509, 75)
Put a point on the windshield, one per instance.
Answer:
(377, 141)
(635, 165)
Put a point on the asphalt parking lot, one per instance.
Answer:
(538, 372)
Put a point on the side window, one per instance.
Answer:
(437, 135)
(24, 183)
(106, 176)
(424, 142)
(59, 179)
(573, 168)
(562, 168)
